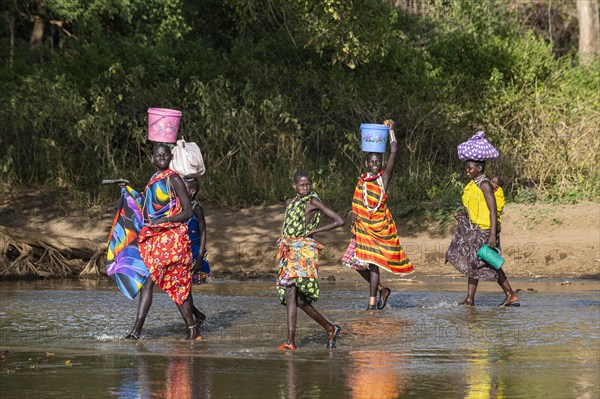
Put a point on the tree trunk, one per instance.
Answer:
(589, 30)
(10, 21)
(37, 34)
(415, 7)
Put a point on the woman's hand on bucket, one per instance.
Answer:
(393, 142)
(491, 242)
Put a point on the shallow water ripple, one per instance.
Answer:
(65, 340)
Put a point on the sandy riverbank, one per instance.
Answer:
(541, 240)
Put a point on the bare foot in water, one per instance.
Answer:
(509, 300)
(467, 302)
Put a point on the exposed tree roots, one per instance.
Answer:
(25, 254)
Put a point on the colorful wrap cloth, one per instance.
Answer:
(462, 253)
(299, 255)
(203, 275)
(294, 222)
(165, 248)
(123, 262)
(299, 266)
(477, 148)
(375, 236)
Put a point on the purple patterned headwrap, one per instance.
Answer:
(477, 148)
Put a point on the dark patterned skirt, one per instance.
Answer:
(462, 253)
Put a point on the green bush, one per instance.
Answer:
(262, 95)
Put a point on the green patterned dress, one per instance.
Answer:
(299, 255)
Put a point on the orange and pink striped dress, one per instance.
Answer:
(375, 236)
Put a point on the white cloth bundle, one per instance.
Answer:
(187, 159)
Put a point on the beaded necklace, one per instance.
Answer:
(378, 178)
(477, 180)
(370, 177)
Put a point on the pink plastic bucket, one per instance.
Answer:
(163, 124)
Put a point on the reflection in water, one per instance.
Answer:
(136, 381)
(289, 388)
(200, 379)
(376, 373)
(182, 378)
(482, 382)
(587, 383)
(178, 382)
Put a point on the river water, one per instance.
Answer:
(62, 339)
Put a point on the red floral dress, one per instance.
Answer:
(165, 248)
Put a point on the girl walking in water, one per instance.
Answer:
(375, 242)
(298, 281)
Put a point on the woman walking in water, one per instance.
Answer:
(163, 242)
(478, 223)
(375, 242)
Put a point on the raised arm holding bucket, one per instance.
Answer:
(375, 242)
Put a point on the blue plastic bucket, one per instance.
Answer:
(374, 137)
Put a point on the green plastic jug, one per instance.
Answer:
(491, 256)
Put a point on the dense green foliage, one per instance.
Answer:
(266, 86)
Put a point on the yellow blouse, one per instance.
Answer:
(500, 201)
(475, 205)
